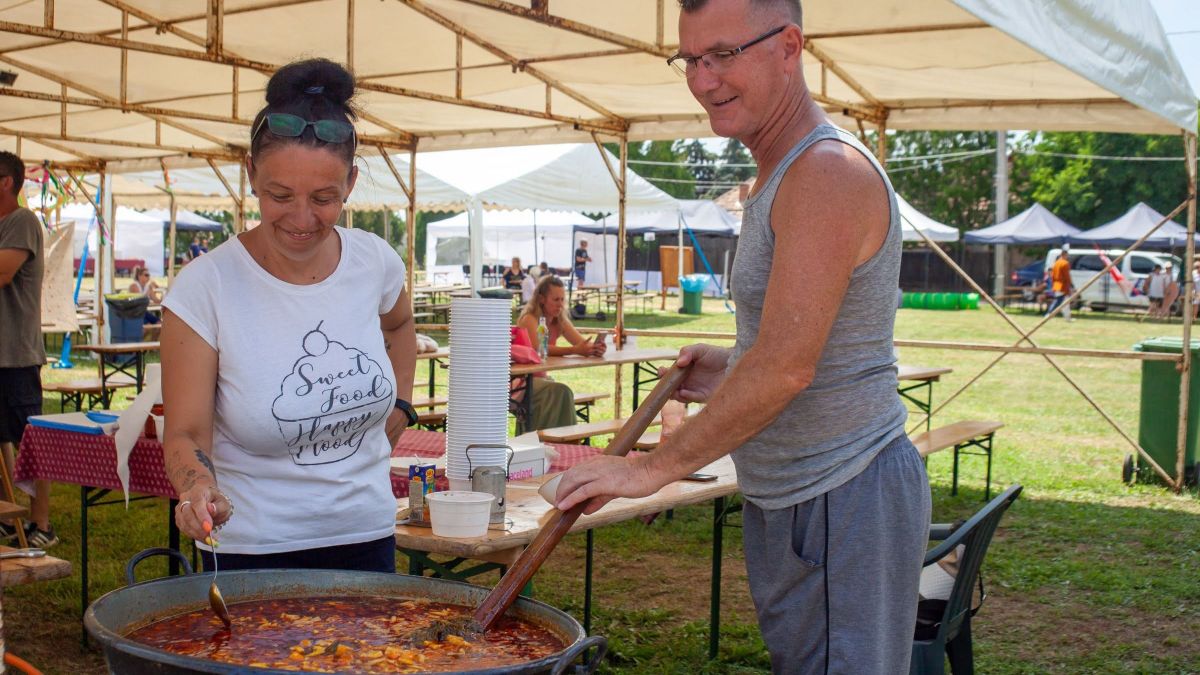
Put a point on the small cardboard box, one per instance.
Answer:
(528, 462)
(426, 472)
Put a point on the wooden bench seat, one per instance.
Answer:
(433, 420)
(648, 440)
(585, 430)
(74, 391)
(970, 437)
(429, 401)
(583, 405)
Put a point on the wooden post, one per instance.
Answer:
(350, 35)
(619, 330)
(171, 232)
(240, 218)
(410, 245)
(1185, 366)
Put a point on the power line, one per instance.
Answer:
(1068, 155)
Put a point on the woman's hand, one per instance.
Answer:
(707, 372)
(598, 346)
(200, 505)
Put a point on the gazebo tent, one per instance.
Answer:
(120, 86)
(532, 236)
(185, 221)
(1035, 225)
(137, 237)
(703, 216)
(912, 220)
(1131, 226)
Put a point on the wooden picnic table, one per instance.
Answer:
(525, 508)
(111, 362)
(18, 571)
(642, 374)
(912, 380)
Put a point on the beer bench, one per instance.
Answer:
(968, 437)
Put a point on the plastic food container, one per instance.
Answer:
(459, 514)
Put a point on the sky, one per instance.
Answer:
(1181, 21)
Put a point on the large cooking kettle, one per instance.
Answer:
(114, 615)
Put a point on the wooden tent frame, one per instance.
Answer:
(210, 48)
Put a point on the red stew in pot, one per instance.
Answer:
(346, 635)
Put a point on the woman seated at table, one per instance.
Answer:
(288, 355)
(554, 402)
(143, 284)
(513, 276)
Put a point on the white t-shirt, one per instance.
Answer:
(303, 388)
(1157, 284)
(528, 286)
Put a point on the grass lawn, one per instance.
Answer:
(1086, 574)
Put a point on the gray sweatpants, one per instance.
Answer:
(835, 579)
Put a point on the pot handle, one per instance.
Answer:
(130, 579)
(568, 658)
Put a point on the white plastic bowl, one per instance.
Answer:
(459, 514)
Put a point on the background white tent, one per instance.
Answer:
(703, 216)
(185, 221)
(137, 236)
(912, 220)
(533, 236)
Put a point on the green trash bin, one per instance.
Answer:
(1158, 420)
(693, 292)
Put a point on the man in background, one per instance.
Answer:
(581, 260)
(1060, 286)
(21, 352)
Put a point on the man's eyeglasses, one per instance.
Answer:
(292, 126)
(717, 61)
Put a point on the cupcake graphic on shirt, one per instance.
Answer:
(329, 401)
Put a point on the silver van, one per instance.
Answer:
(1105, 293)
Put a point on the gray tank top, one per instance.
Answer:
(832, 430)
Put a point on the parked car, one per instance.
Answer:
(1029, 275)
(1105, 293)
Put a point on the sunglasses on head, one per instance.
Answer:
(292, 126)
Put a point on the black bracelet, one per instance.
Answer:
(407, 409)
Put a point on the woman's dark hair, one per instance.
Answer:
(314, 89)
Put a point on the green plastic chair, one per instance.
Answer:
(951, 635)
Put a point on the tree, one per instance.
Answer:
(954, 189)
(665, 170)
(702, 164)
(1086, 191)
(734, 165)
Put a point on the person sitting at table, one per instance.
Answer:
(528, 285)
(553, 402)
(513, 276)
(143, 284)
(288, 355)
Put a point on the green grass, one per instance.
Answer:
(1086, 574)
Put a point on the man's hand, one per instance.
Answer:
(604, 478)
(708, 371)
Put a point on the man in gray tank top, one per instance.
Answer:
(837, 500)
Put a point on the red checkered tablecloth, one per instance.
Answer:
(83, 459)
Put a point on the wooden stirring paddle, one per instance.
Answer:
(560, 522)
(554, 527)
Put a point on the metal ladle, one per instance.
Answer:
(215, 599)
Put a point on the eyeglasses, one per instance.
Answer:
(292, 126)
(717, 61)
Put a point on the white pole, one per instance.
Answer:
(1000, 279)
(475, 229)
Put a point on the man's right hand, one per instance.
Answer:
(707, 372)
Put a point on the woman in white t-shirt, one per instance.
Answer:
(288, 355)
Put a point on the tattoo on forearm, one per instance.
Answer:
(204, 460)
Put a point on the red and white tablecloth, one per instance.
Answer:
(83, 459)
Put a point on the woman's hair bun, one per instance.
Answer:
(318, 78)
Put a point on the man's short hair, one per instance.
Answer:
(11, 165)
(792, 6)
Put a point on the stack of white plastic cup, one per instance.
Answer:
(477, 411)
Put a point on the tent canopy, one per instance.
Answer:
(532, 236)
(177, 85)
(912, 220)
(1131, 226)
(137, 235)
(185, 221)
(1034, 225)
(703, 216)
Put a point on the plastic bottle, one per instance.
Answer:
(543, 339)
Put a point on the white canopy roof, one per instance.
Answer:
(703, 216)
(554, 73)
(912, 220)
